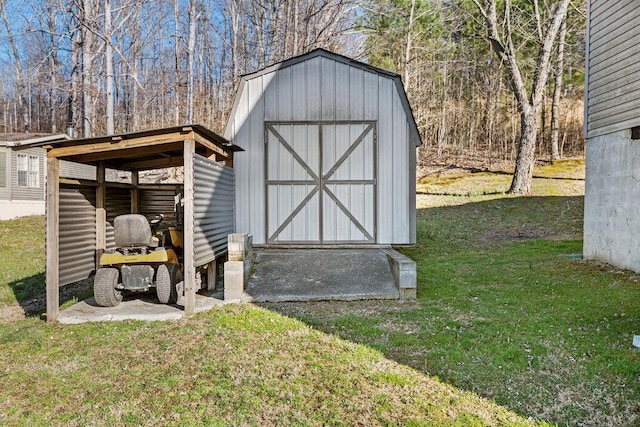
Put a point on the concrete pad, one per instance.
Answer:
(321, 274)
(136, 307)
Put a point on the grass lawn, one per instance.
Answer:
(22, 257)
(506, 327)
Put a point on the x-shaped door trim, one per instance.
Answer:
(320, 181)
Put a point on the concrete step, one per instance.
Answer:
(321, 274)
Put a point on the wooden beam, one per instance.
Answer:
(83, 182)
(101, 147)
(188, 226)
(213, 147)
(158, 186)
(135, 196)
(52, 241)
(165, 162)
(91, 156)
(101, 213)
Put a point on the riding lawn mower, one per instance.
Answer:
(145, 258)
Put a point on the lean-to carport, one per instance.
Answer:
(79, 230)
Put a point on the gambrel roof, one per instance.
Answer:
(397, 80)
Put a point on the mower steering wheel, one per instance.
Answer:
(156, 221)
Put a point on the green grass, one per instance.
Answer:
(505, 327)
(240, 365)
(22, 255)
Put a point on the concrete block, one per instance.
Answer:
(404, 274)
(240, 246)
(234, 280)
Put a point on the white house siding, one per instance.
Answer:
(27, 193)
(322, 89)
(612, 87)
(5, 190)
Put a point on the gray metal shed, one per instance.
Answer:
(330, 154)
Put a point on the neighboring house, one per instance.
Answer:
(330, 154)
(612, 129)
(22, 174)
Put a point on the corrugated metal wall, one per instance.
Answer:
(77, 170)
(77, 233)
(214, 208)
(613, 67)
(324, 89)
(118, 203)
(155, 201)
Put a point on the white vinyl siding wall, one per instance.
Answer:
(322, 89)
(5, 180)
(612, 87)
(34, 164)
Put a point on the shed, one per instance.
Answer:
(612, 130)
(80, 211)
(330, 154)
(22, 174)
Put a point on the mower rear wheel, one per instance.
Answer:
(166, 283)
(104, 287)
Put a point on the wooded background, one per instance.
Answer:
(111, 66)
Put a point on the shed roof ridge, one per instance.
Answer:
(313, 54)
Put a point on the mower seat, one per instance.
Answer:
(133, 230)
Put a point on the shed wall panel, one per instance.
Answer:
(118, 202)
(77, 241)
(613, 61)
(255, 156)
(77, 170)
(323, 89)
(214, 209)
(153, 201)
(328, 88)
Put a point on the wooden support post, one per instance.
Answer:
(52, 243)
(212, 275)
(101, 213)
(135, 197)
(188, 225)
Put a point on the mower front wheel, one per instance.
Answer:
(104, 287)
(166, 280)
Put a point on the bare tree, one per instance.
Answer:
(191, 49)
(500, 35)
(557, 91)
(20, 80)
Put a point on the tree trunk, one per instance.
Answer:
(557, 90)
(108, 30)
(20, 80)
(525, 160)
(191, 48)
(407, 51)
(87, 68)
(178, 91)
